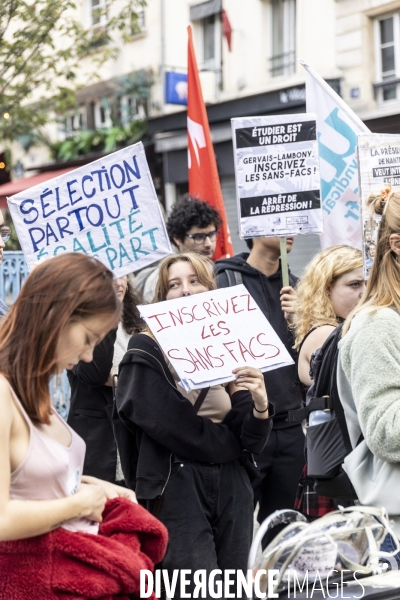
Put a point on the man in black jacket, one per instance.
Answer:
(282, 459)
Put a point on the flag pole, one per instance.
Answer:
(284, 262)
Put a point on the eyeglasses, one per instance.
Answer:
(200, 238)
(5, 233)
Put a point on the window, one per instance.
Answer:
(75, 121)
(98, 13)
(209, 39)
(141, 23)
(283, 38)
(387, 32)
(137, 23)
(102, 115)
(126, 109)
(210, 42)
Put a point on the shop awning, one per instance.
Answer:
(14, 187)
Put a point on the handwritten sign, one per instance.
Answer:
(379, 164)
(207, 335)
(107, 209)
(277, 175)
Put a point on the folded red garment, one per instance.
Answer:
(81, 566)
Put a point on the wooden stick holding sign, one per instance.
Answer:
(284, 262)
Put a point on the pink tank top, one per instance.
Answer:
(50, 470)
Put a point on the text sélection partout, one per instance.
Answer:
(277, 175)
(107, 209)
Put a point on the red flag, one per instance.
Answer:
(226, 28)
(203, 175)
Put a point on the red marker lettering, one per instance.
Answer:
(234, 306)
(249, 299)
(177, 358)
(226, 344)
(275, 348)
(158, 321)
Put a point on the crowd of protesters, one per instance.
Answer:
(187, 458)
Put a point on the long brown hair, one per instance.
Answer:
(64, 289)
(130, 317)
(383, 286)
(202, 266)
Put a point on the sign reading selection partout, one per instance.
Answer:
(277, 175)
(207, 335)
(107, 209)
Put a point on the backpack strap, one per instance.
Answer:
(234, 277)
(320, 403)
(200, 399)
(329, 362)
(327, 381)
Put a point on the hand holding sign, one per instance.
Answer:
(206, 336)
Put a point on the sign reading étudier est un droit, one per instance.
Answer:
(107, 209)
(277, 175)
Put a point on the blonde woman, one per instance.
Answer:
(369, 356)
(191, 468)
(332, 285)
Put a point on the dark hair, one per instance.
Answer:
(249, 243)
(188, 212)
(130, 317)
(68, 288)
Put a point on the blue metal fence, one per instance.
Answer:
(13, 272)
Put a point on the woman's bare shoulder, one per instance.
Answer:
(316, 339)
(7, 406)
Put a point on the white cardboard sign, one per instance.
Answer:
(277, 175)
(207, 335)
(107, 209)
(379, 164)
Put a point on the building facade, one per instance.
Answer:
(248, 60)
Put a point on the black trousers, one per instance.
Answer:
(208, 511)
(281, 464)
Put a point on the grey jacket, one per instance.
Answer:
(369, 384)
(370, 357)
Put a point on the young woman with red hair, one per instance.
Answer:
(66, 306)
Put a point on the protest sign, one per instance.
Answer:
(379, 164)
(207, 335)
(277, 175)
(337, 128)
(107, 209)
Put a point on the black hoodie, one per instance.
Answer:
(280, 383)
(156, 421)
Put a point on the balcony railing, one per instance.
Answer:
(282, 64)
(13, 272)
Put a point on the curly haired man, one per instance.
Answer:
(193, 225)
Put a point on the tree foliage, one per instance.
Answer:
(42, 43)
